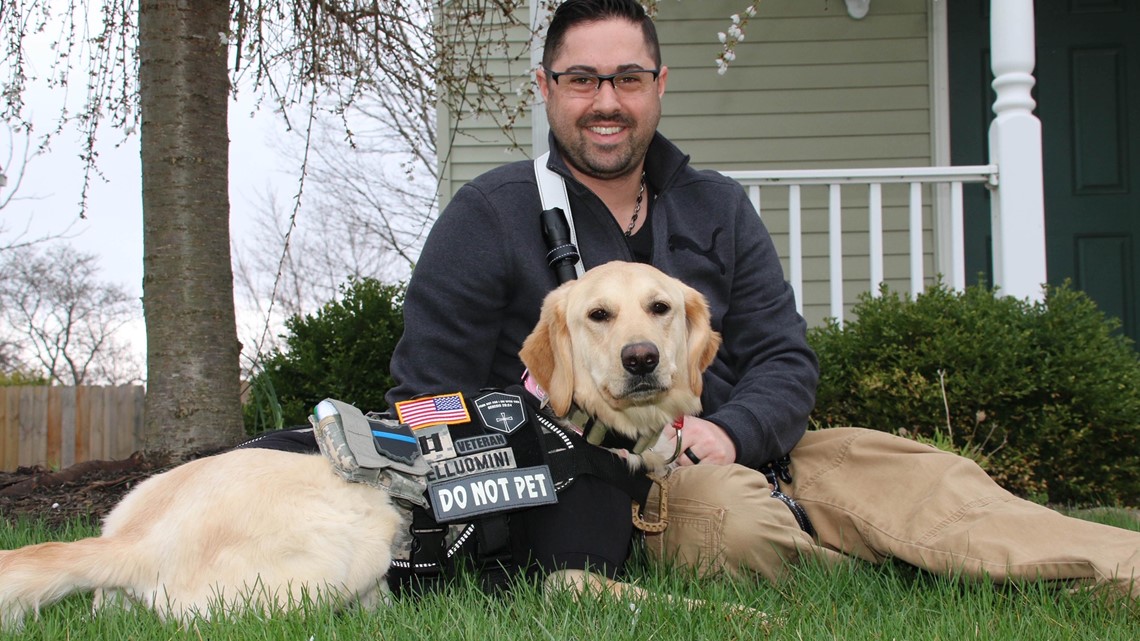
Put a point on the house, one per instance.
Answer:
(879, 148)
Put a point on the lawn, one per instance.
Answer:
(861, 601)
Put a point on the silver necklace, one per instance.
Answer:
(636, 207)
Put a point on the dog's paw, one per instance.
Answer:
(648, 461)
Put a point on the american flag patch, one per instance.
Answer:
(433, 410)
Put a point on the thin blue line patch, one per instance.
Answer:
(397, 437)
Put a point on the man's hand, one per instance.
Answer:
(705, 440)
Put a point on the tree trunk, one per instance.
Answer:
(192, 400)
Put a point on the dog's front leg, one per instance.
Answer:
(579, 582)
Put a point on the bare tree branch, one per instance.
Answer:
(13, 168)
(63, 320)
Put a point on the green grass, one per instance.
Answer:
(860, 601)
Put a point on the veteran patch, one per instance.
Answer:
(473, 444)
(501, 412)
(487, 492)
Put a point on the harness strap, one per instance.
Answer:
(576, 457)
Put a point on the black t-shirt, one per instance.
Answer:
(641, 243)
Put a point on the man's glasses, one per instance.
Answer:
(584, 84)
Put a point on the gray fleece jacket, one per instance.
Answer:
(477, 290)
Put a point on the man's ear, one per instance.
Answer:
(547, 354)
(703, 341)
(543, 83)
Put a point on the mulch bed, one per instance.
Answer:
(85, 490)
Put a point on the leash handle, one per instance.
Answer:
(562, 255)
(562, 250)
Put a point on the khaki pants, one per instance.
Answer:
(873, 495)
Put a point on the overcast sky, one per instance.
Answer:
(48, 198)
(262, 170)
(50, 194)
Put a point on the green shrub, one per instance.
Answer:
(342, 351)
(1045, 396)
(18, 378)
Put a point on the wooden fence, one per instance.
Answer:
(59, 426)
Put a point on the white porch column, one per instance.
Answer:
(1018, 204)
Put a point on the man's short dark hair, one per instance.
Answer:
(575, 12)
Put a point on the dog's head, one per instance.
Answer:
(626, 344)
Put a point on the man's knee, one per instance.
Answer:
(722, 518)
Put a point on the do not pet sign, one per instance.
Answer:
(489, 492)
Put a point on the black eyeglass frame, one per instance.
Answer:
(600, 77)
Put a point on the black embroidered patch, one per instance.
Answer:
(501, 412)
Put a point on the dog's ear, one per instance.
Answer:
(703, 341)
(547, 355)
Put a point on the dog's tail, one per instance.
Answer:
(39, 575)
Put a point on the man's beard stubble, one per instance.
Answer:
(578, 151)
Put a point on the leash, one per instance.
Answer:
(775, 472)
(662, 510)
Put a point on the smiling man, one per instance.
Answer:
(736, 502)
(478, 287)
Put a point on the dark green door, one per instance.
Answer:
(1088, 100)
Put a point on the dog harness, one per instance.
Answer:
(459, 465)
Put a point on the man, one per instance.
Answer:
(477, 290)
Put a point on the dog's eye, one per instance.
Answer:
(599, 315)
(659, 308)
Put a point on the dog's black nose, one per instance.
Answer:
(640, 358)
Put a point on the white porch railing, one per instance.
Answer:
(835, 179)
